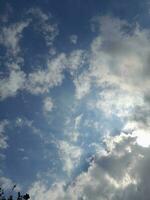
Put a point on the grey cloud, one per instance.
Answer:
(120, 174)
(117, 57)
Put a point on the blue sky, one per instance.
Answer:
(74, 98)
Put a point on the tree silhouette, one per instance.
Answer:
(10, 197)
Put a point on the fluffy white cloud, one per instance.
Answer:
(9, 86)
(10, 37)
(48, 104)
(42, 80)
(37, 82)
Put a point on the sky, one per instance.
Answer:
(75, 99)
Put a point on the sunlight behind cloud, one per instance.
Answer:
(143, 138)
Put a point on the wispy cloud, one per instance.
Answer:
(3, 136)
(73, 39)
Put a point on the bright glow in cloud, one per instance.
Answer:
(143, 138)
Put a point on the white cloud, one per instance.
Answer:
(83, 85)
(9, 86)
(72, 128)
(40, 191)
(73, 39)
(118, 58)
(48, 104)
(75, 61)
(119, 67)
(43, 24)
(10, 37)
(139, 130)
(6, 183)
(70, 155)
(3, 137)
(42, 80)
(78, 121)
(21, 149)
(117, 102)
(117, 70)
(24, 122)
(73, 136)
(25, 158)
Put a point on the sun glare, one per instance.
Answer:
(143, 138)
